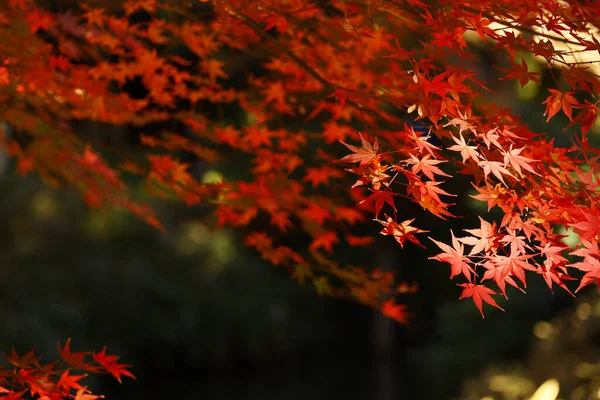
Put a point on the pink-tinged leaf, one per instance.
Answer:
(500, 278)
(491, 137)
(455, 257)
(426, 165)
(496, 168)
(422, 142)
(513, 158)
(483, 239)
(591, 265)
(363, 155)
(466, 151)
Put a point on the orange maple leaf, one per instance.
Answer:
(363, 155)
(559, 100)
(401, 231)
(214, 68)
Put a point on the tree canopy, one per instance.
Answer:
(347, 111)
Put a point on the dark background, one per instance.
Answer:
(200, 316)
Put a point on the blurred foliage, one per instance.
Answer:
(565, 348)
(194, 298)
(191, 297)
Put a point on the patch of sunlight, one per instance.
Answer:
(547, 391)
(531, 88)
(512, 386)
(527, 92)
(211, 177)
(97, 224)
(222, 247)
(251, 119)
(596, 126)
(571, 239)
(597, 309)
(26, 235)
(543, 330)
(44, 206)
(574, 52)
(583, 311)
(585, 370)
(583, 167)
(487, 398)
(194, 237)
(578, 393)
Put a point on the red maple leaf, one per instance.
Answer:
(75, 360)
(39, 20)
(29, 360)
(68, 382)
(587, 116)
(276, 21)
(515, 160)
(109, 363)
(479, 294)
(517, 242)
(522, 73)
(499, 275)
(590, 265)
(395, 311)
(401, 231)
(426, 165)
(483, 239)
(589, 228)
(12, 395)
(325, 240)
(380, 197)
(513, 264)
(559, 100)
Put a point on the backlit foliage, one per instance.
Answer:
(386, 68)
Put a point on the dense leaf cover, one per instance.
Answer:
(370, 74)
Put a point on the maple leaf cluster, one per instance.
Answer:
(57, 380)
(340, 66)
